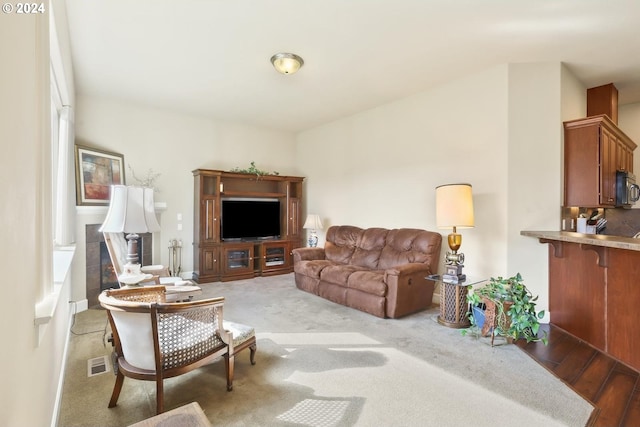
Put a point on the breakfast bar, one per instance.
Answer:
(593, 290)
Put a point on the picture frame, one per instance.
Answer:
(96, 171)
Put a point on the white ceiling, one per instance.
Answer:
(211, 57)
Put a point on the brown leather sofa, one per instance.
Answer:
(376, 270)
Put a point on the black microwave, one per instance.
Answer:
(627, 191)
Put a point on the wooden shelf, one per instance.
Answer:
(252, 194)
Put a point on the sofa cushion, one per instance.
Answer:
(363, 301)
(335, 293)
(338, 274)
(311, 268)
(369, 247)
(370, 282)
(341, 242)
(408, 245)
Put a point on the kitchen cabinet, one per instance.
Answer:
(594, 149)
(624, 157)
(603, 100)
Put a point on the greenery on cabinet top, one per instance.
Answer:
(252, 169)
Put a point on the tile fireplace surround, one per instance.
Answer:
(99, 268)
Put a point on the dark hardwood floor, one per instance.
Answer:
(611, 386)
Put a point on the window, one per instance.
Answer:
(61, 203)
(56, 107)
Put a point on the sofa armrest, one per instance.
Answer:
(408, 289)
(410, 268)
(308, 254)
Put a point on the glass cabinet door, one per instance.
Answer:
(238, 258)
(275, 256)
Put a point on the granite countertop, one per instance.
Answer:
(617, 242)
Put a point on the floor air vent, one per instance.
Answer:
(97, 366)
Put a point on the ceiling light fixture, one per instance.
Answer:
(286, 63)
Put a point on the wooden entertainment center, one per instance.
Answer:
(218, 260)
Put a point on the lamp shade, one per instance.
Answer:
(313, 222)
(454, 206)
(131, 210)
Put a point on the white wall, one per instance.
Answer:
(380, 167)
(32, 358)
(173, 145)
(500, 130)
(534, 182)
(629, 123)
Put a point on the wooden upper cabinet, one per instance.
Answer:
(207, 209)
(594, 149)
(624, 157)
(603, 100)
(608, 162)
(582, 166)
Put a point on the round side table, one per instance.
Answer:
(453, 301)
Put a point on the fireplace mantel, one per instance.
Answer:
(98, 210)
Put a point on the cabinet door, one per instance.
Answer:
(582, 171)
(294, 218)
(238, 259)
(621, 156)
(274, 256)
(209, 221)
(624, 157)
(608, 149)
(209, 265)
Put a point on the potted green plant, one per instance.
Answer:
(510, 309)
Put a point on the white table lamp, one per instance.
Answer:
(313, 223)
(132, 211)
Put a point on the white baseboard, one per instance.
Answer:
(546, 318)
(187, 275)
(81, 305)
(56, 407)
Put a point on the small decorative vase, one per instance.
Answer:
(313, 240)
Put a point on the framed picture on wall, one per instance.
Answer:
(96, 171)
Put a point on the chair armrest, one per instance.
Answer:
(155, 279)
(308, 254)
(156, 270)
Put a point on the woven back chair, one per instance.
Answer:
(155, 340)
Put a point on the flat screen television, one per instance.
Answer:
(250, 219)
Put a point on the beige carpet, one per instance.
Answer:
(321, 364)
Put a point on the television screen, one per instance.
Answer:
(248, 219)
